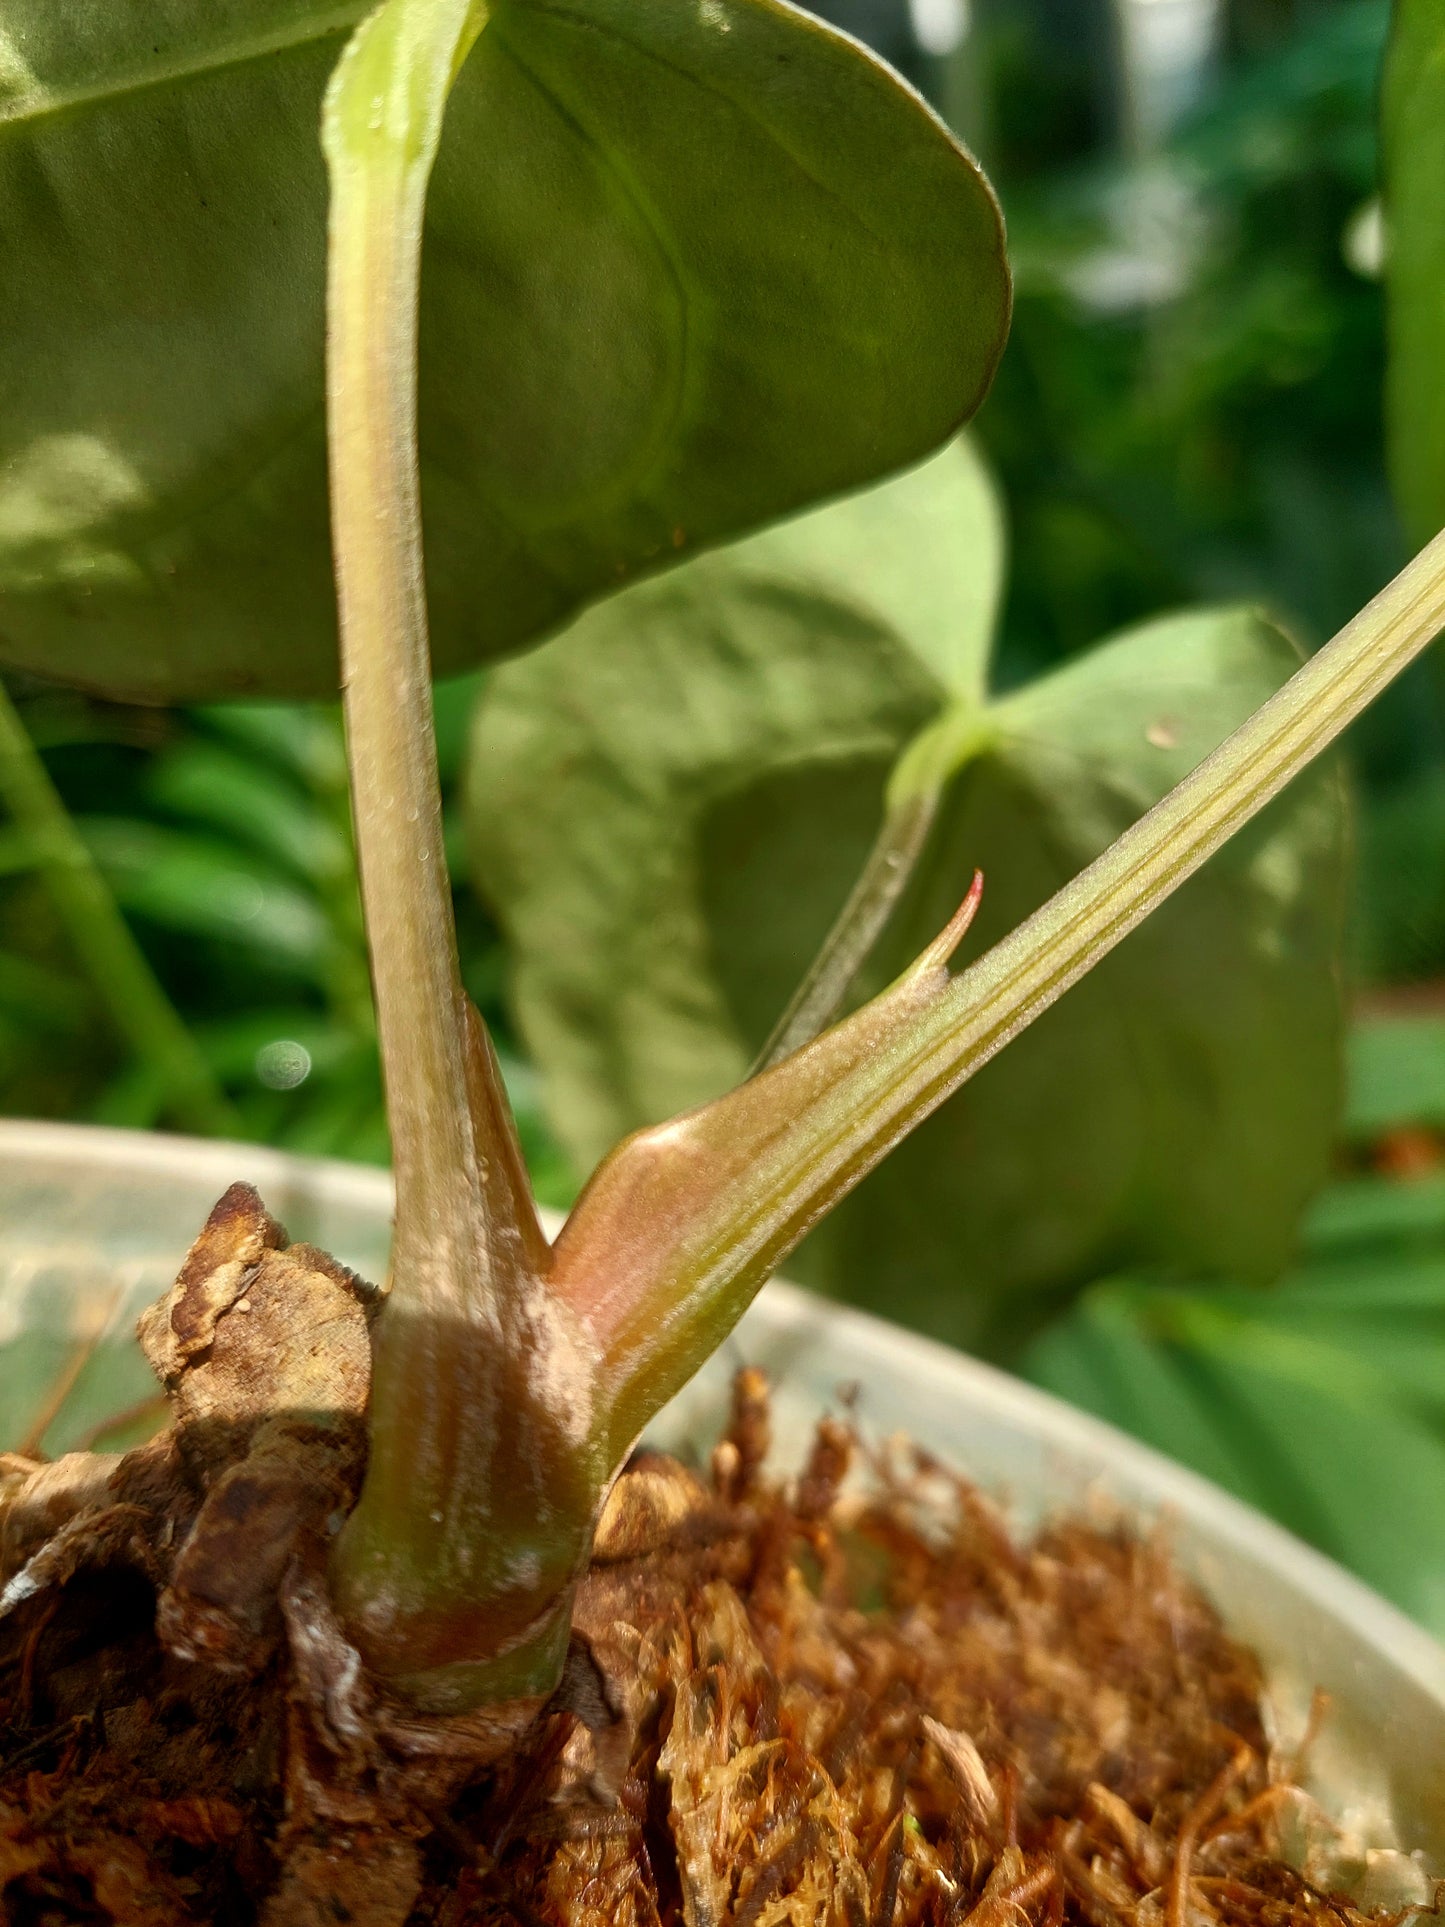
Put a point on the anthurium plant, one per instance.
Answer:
(673, 800)
(602, 284)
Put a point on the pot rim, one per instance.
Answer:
(1086, 1452)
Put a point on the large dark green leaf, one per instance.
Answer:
(1413, 131)
(1177, 1107)
(777, 676)
(670, 802)
(688, 265)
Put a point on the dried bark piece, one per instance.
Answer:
(115, 1535)
(214, 1275)
(38, 1497)
(327, 1681)
(256, 1330)
(222, 1602)
(264, 1350)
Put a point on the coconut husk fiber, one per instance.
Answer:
(843, 1698)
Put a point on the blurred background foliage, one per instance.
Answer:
(1189, 411)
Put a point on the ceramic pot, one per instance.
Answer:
(93, 1224)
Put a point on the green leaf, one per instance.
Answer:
(1177, 1109)
(1413, 140)
(1396, 1073)
(257, 806)
(670, 802)
(1400, 920)
(1361, 1210)
(778, 675)
(1102, 1357)
(1325, 1410)
(41, 999)
(663, 300)
(211, 889)
(304, 738)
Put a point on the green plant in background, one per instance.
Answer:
(1193, 413)
(44, 840)
(1414, 165)
(227, 846)
(243, 846)
(1319, 1400)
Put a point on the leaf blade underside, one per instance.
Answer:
(659, 305)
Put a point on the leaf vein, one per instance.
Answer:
(740, 105)
(42, 104)
(665, 434)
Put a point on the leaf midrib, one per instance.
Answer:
(32, 107)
